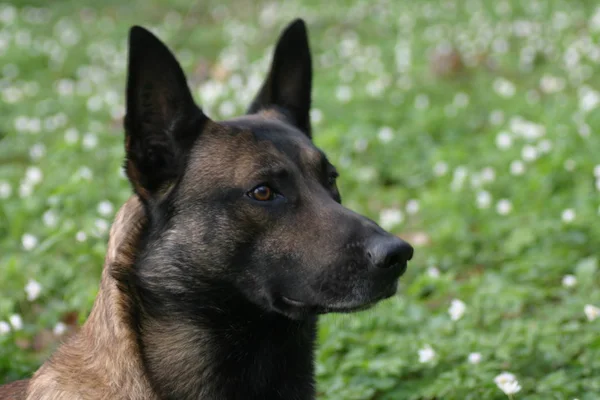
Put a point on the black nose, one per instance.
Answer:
(389, 251)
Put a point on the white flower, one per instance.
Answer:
(389, 218)
(33, 290)
(551, 84)
(343, 94)
(504, 207)
(476, 180)
(21, 123)
(508, 383)
(570, 164)
(211, 91)
(440, 168)
(16, 322)
(385, 134)
(85, 173)
(316, 116)
(71, 136)
(421, 102)
(361, 144)
(50, 218)
(102, 226)
(461, 99)
(496, 117)
(500, 45)
(510, 387)
(94, 103)
(4, 328)
(426, 354)
(433, 272)
(375, 88)
(34, 125)
(37, 151)
(474, 358)
(59, 329)
(584, 130)
(569, 281)
(597, 171)
(419, 239)
(25, 189)
(568, 215)
(53, 200)
(5, 190)
(503, 140)
(484, 199)
(29, 241)
(529, 153)
(8, 14)
(65, 87)
(591, 312)
(81, 236)
(504, 88)
(517, 167)
(227, 109)
(12, 94)
(105, 208)
(544, 146)
(33, 175)
(366, 174)
(488, 174)
(595, 20)
(588, 99)
(458, 178)
(90, 140)
(457, 309)
(412, 206)
(526, 129)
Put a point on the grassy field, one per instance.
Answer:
(470, 128)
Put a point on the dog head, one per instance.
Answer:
(249, 204)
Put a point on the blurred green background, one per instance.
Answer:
(469, 128)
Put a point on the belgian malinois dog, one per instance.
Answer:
(233, 244)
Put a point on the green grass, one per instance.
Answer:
(502, 226)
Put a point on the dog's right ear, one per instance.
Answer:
(162, 120)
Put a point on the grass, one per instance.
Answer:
(468, 128)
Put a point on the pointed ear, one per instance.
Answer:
(162, 120)
(288, 85)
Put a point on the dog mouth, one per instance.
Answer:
(296, 309)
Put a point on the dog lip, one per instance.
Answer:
(293, 305)
(402, 267)
(293, 302)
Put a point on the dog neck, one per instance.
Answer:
(226, 348)
(228, 358)
(102, 361)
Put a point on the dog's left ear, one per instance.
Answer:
(288, 85)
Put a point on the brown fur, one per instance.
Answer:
(14, 390)
(102, 360)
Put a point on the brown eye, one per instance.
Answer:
(331, 180)
(262, 193)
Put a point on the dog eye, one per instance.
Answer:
(262, 193)
(331, 179)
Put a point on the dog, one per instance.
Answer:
(233, 244)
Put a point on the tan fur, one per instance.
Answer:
(14, 390)
(103, 360)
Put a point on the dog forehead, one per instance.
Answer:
(232, 151)
(274, 138)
